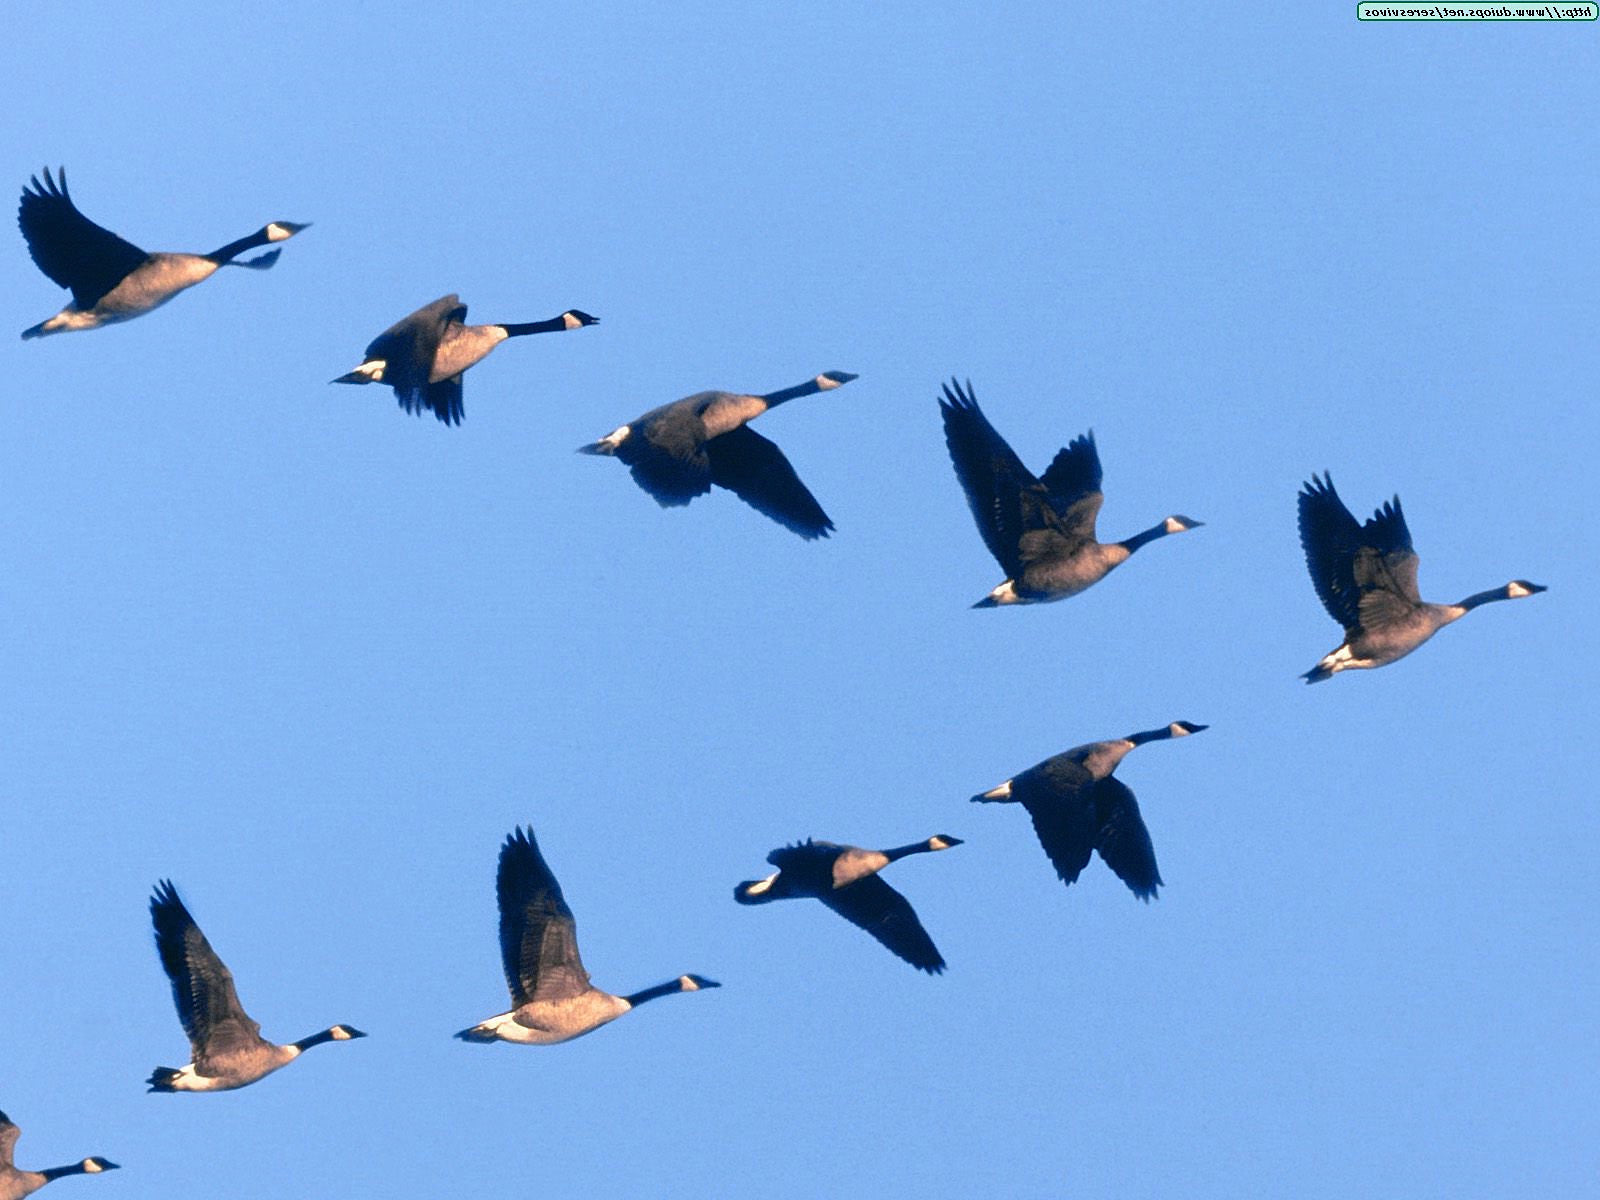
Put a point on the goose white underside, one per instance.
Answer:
(72, 320)
(507, 1028)
(189, 1080)
(761, 885)
(1344, 659)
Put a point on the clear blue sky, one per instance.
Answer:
(313, 658)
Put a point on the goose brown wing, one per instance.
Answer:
(67, 246)
(1058, 797)
(443, 399)
(755, 470)
(9, 1134)
(1122, 839)
(872, 905)
(202, 986)
(408, 348)
(538, 935)
(1331, 538)
(667, 453)
(1072, 482)
(991, 475)
(1385, 568)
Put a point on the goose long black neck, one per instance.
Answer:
(1145, 538)
(553, 325)
(1477, 598)
(900, 852)
(316, 1039)
(233, 249)
(655, 993)
(1150, 735)
(54, 1173)
(809, 388)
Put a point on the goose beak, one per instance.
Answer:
(352, 377)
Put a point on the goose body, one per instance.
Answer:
(422, 356)
(111, 279)
(551, 996)
(1366, 577)
(677, 451)
(1078, 809)
(845, 878)
(15, 1184)
(229, 1051)
(1041, 530)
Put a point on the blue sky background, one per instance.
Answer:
(313, 658)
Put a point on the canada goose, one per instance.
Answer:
(676, 452)
(229, 1051)
(1366, 577)
(1041, 531)
(846, 879)
(111, 279)
(15, 1184)
(422, 356)
(1077, 807)
(551, 996)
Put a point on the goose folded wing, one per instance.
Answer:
(872, 905)
(68, 247)
(990, 473)
(538, 934)
(755, 470)
(1123, 841)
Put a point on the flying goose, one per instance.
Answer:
(1041, 531)
(15, 1184)
(229, 1051)
(1366, 577)
(846, 879)
(1077, 808)
(676, 452)
(423, 355)
(552, 999)
(111, 279)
